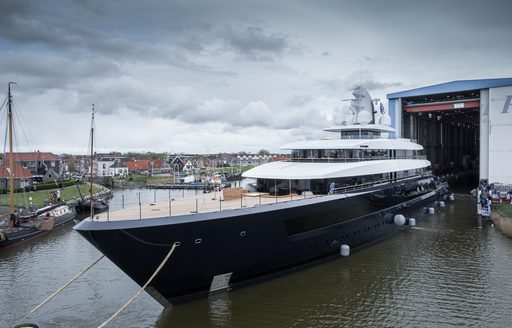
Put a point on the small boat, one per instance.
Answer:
(99, 204)
(60, 214)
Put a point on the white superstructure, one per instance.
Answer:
(362, 153)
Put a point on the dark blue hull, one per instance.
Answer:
(233, 248)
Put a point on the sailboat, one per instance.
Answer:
(17, 229)
(22, 225)
(93, 204)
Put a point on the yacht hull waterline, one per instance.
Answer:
(228, 249)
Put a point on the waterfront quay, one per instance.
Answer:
(445, 272)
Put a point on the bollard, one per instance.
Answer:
(412, 222)
(344, 250)
(122, 201)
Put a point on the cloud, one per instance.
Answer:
(254, 43)
(218, 70)
(36, 71)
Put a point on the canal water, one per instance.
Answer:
(445, 272)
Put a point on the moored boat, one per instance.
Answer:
(94, 203)
(22, 225)
(348, 192)
(60, 214)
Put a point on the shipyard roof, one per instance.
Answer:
(454, 86)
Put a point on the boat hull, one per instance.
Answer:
(230, 249)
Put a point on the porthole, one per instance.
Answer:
(243, 233)
(198, 241)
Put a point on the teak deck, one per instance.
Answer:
(202, 203)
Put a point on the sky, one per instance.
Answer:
(228, 76)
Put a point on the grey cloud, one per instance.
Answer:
(21, 28)
(254, 43)
(38, 72)
(299, 100)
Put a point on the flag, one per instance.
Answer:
(381, 108)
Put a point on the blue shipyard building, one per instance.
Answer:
(463, 125)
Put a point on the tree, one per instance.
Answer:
(263, 152)
(71, 167)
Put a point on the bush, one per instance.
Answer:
(54, 185)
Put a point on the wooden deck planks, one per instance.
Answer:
(201, 203)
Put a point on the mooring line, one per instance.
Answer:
(104, 324)
(62, 288)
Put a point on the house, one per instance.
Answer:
(160, 166)
(102, 168)
(118, 169)
(139, 166)
(22, 176)
(188, 167)
(177, 164)
(42, 165)
(253, 160)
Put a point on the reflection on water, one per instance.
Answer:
(443, 273)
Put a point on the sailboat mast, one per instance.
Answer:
(11, 168)
(92, 162)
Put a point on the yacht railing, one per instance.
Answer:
(169, 206)
(349, 160)
(360, 186)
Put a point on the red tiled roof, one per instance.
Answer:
(35, 156)
(141, 164)
(19, 172)
(158, 163)
(279, 158)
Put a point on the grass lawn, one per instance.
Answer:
(504, 208)
(38, 197)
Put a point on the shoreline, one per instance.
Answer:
(502, 222)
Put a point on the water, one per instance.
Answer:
(443, 273)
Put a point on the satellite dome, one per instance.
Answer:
(385, 120)
(364, 117)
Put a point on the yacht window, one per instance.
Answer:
(400, 154)
(314, 153)
(356, 153)
(331, 153)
